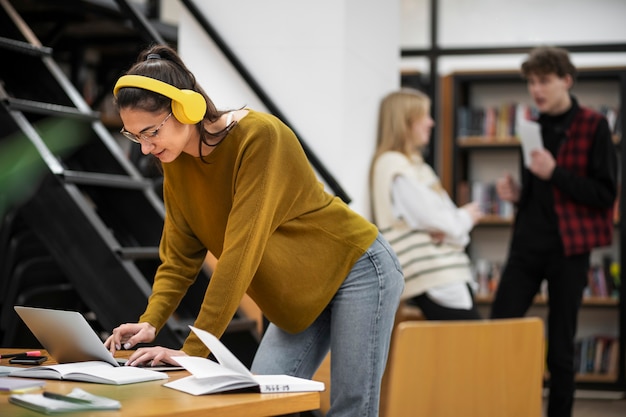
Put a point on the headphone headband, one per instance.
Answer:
(188, 106)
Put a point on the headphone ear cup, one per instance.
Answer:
(189, 108)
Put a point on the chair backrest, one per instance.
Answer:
(466, 368)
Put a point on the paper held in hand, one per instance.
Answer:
(210, 377)
(529, 133)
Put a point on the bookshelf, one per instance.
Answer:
(479, 145)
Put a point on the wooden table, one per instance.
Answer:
(151, 399)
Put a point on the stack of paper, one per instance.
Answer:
(76, 400)
(13, 385)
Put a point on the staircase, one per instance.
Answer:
(82, 217)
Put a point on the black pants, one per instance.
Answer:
(566, 277)
(434, 311)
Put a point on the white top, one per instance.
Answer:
(423, 208)
(415, 197)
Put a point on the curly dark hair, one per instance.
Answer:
(548, 60)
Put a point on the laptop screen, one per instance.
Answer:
(66, 335)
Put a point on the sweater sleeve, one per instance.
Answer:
(182, 255)
(423, 208)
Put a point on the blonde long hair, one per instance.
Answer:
(397, 112)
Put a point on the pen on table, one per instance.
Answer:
(14, 355)
(55, 396)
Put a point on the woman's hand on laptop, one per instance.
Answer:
(128, 335)
(154, 356)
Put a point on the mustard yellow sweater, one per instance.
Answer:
(257, 205)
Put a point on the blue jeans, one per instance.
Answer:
(356, 326)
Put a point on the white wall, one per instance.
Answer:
(497, 23)
(326, 65)
(504, 23)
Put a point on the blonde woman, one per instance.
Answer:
(425, 228)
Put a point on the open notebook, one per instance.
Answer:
(228, 374)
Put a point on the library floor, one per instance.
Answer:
(588, 404)
(599, 408)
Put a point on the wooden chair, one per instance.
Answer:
(488, 368)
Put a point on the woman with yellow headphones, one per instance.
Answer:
(238, 184)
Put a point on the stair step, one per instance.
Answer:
(24, 47)
(138, 252)
(30, 106)
(106, 180)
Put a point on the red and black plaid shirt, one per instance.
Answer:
(582, 227)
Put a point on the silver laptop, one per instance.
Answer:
(66, 335)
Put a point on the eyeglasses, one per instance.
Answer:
(145, 136)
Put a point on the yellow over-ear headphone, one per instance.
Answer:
(188, 106)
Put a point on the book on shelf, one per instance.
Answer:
(91, 371)
(229, 374)
(76, 400)
(487, 277)
(485, 194)
(610, 358)
(601, 281)
(501, 122)
(497, 123)
(596, 354)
